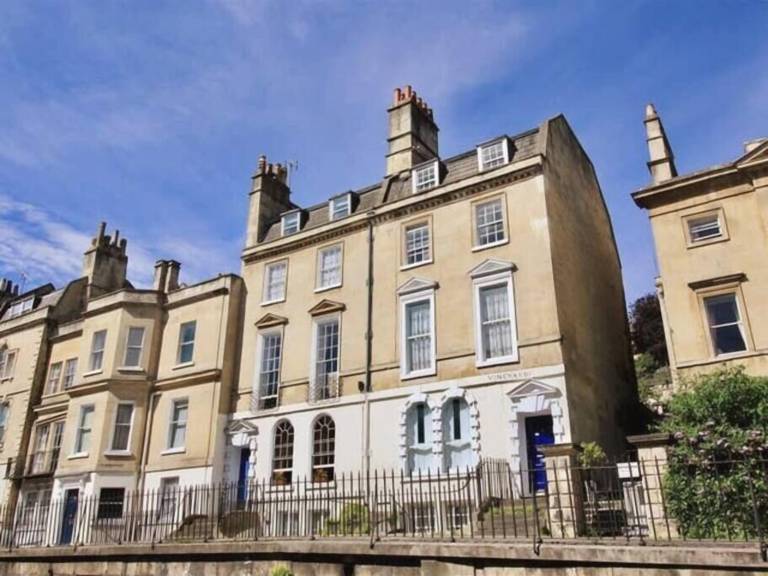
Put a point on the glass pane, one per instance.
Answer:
(728, 339)
(722, 309)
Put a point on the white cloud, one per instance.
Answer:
(37, 246)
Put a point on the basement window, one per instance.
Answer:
(425, 177)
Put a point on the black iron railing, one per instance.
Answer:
(626, 502)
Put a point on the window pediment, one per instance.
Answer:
(492, 266)
(270, 320)
(533, 388)
(416, 285)
(327, 307)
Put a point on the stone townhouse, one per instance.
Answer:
(460, 308)
(710, 228)
(117, 388)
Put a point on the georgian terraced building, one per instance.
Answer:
(102, 383)
(710, 228)
(460, 308)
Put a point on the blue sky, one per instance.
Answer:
(151, 115)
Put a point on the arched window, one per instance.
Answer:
(419, 437)
(282, 457)
(323, 449)
(457, 447)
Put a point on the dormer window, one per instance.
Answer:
(492, 154)
(291, 222)
(20, 307)
(340, 206)
(425, 177)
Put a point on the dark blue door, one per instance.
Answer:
(538, 433)
(68, 516)
(242, 475)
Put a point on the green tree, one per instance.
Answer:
(718, 473)
(648, 329)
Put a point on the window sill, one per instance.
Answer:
(491, 245)
(6, 379)
(707, 242)
(270, 302)
(93, 373)
(169, 451)
(326, 288)
(118, 453)
(420, 374)
(134, 369)
(497, 361)
(183, 365)
(77, 455)
(416, 264)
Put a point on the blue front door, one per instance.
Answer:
(69, 515)
(538, 433)
(242, 475)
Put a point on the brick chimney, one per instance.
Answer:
(105, 263)
(269, 197)
(412, 135)
(662, 161)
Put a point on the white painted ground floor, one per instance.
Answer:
(436, 426)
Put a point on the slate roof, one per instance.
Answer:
(522, 146)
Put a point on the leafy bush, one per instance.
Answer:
(281, 570)
(717, 478)
(592, 454)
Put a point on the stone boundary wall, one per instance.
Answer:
(356, 558)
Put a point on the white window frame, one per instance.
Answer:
(741, 323)
(172, 424)
(482, 147)
(8, 364)
(5, 409)
(477, 285)
(263, 334)
(69, 362)
(319, 271)
(415, 172)
(77, 449)
(333, 206)
(284, 222)
(316, 322)
(140, 347)
(92, 369)
(127, 450)
(405, 299)
(59, 377)
(191, 361)
(411, 226)
(265, 284)
(689, 220)
(20, 307)
(476, 228)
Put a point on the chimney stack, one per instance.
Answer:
(412, 137)
(8, 291)
(161, 273)
(172, 282)
(269, 197)
(105, 263)
(662, 162)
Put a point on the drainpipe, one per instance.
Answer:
(151, 407)
(368, 354)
